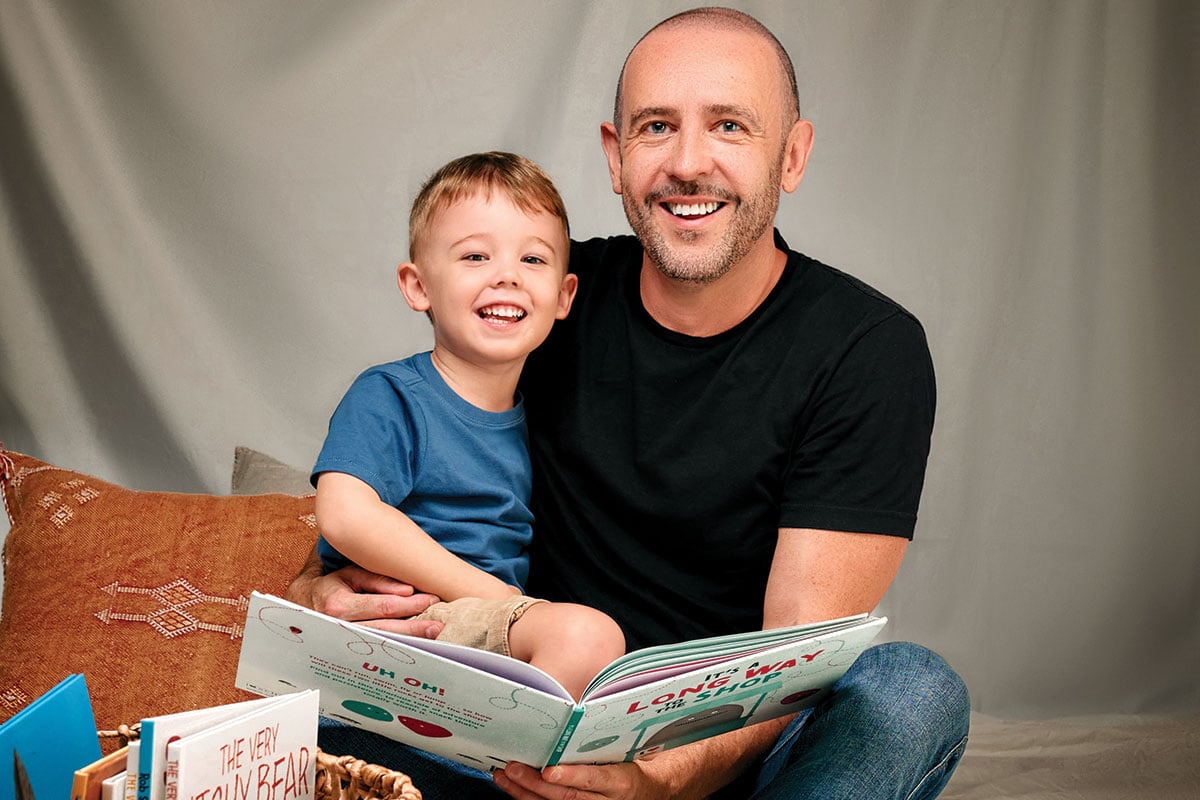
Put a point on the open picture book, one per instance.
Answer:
(485, 709)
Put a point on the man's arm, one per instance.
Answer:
(815, 575)
(820, 575)
(356, 595)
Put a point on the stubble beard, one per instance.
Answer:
(752, 217)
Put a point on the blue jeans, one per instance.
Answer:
(895, 726)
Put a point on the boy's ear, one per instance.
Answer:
(566, 295)
(408, 278)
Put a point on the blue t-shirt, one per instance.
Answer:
(458, 471)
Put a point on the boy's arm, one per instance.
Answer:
(383, 539)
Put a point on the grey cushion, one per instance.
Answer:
(259, 473)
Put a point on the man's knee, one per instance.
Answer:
(912, 686)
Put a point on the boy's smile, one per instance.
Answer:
(502, 314)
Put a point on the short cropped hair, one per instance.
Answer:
(522, 181)
(724, 19)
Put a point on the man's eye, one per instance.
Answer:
(657, 128)
(728, 126)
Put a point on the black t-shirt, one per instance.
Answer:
(665, 464)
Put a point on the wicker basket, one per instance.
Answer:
(350, 778)
(338, 777)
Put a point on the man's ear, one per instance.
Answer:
(610, 140)
(795, 154)
(408, 278)
(566, 295)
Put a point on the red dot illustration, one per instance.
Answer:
(424, 728)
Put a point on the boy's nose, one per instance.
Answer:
(508, 271)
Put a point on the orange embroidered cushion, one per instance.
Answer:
(143, 592)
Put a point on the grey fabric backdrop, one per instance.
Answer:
(202, 204)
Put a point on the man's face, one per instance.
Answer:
(698, 156)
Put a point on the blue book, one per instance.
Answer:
(50, 738)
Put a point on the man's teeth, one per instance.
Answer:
(502, 312)
(693, 209)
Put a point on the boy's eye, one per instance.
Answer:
(534, 260)
(475, 257)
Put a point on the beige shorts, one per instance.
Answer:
(482, 624)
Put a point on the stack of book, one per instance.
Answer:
(258, 748)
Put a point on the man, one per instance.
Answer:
(727, 434)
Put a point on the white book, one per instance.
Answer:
(158, 732)
(270, 751)
(113, 788)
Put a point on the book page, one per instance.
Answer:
(746, 688)
(401, 689)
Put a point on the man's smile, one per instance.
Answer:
(692, 209)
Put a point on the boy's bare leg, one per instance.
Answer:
(570, 642)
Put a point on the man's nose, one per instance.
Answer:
(691, 155)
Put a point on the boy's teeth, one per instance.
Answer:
(693, 209)
(503, 312)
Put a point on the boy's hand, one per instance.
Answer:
(356, 595)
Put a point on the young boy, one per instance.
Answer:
(425, 474)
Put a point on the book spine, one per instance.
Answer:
(145, 759)
(131, 769)
(568, 731)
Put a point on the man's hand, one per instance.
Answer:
(692, 771)
(356, 595)
(626, 781)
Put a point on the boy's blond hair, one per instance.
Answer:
(522, 181)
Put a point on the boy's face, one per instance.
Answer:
(492, 277)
